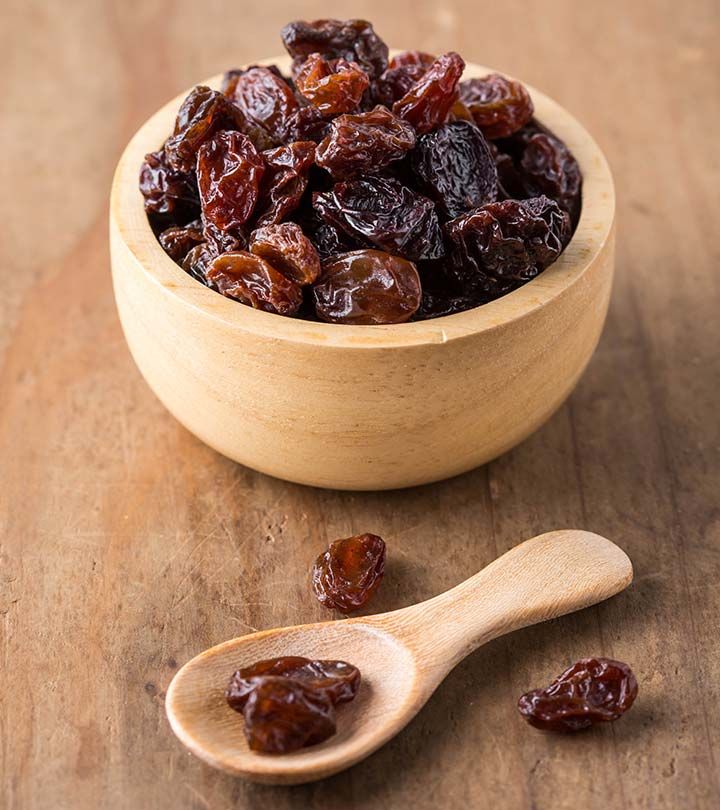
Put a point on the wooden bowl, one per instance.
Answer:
(362, 407)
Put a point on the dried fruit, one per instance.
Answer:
(346, 575)
(251, 280)
(166, 190)
(455, 167)
(288, 250)
(197, 262)
(283, 715)
(500, 106)
(395, 82)
(284, 180)
(229, 173)
(332, 87)
(307, 124)
(428, 102)
(338, 680)
(384, 213)
(412, 58)
(177, 241)
(365, 142)
(593, 690)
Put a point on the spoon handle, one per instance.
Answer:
(547, 576)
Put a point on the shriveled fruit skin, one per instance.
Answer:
(395, 82)
(197, 262)
(455, 167)
(338, 680)
(283, 715)
(284, 180)
(263, 97)
(593, 690)
(500, 106)
(178, 240)
(428, 102)
(165, 190)
(229, 172)
(307, 124)
(366, 142)
(349, 572)
(384, 213)
(288, 250)
(353, 40)
(413, 58)
(366, 287)
(251, 280)
(332, 87)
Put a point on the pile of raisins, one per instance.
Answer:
(361, 189)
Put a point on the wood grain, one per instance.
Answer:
(128, 547)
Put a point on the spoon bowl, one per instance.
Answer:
(402, 655)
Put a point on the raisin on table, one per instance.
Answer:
(284, 180)
(332, 87)
(251, 280)
(500, 106)
(364, 142)
(427, 103)
(338, 680)
(288, 250)
(594, 690)
(178, 241)
(346, 575)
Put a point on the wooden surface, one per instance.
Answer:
(128, 546)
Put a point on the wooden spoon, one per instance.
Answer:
(402, 655)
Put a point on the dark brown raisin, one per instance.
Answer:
(428, 102)
(283, 715)
(307, 124)
(177, 241)
(594, 690)
(251, 280)
(438, 305)
(386, 214)
(455, 167)
(332, 87)
(413, 58)
(365, 142)
(346, 575)
(288, 250)
(197, 262)
(166, 190)
(500, 106)
(395, 82)
(284, 181)
(338, 680)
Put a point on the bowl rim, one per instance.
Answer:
(130, 225)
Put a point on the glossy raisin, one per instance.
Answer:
(365, 142)
(229, 171)
(412, 58)
(332, 87)
(177, 241)
(500, 106)
(288, 250)
(594, 690)
(396, 82)
(338, 680)
(197, 262)
(454, 167)
(167, 191)
(428, 102)
(346, 575)
(282, 715)
(307, 124)
(438, 305)
(251, 280)
(284, 180)
(384, 213)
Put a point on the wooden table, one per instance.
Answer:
(127, 546)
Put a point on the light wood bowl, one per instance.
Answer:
(362, 407)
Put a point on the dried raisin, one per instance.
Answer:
(332, 87)
(347, 574)
(500, 106)
(288, 250)
(428, 102)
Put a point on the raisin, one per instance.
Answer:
(230, 77)
(438, 306)
(283, 715)
(338, 680)
(328, 239)
(229, 173)
(197, 262)
(177, 241)
(332, 87)
(412, 58)
(460, 112)
(395, 82)
(252, 281)
(166, 190)
(385, 213)
(507, 243)
(288, 250)
(263, 97)
(500, 106)
(284, 180)
(594, 690)
(365, 142)
(346, 575)
(353, 40)
(427, 103)
(455, 168)
(307, 124)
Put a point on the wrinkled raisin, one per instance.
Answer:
(346, 575)
(332, 87)
(197, 262)
(413, 58)
(365, 142)
(166, 190)
(500, 106)
(455, 168)
(288, 250)
(396, 82)
(251, 280)
(338, 680)
(385, 213)
(427, 103)
(284, 180)
(307, 124)
(438, 306)
(594, 690)
(177, 241)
